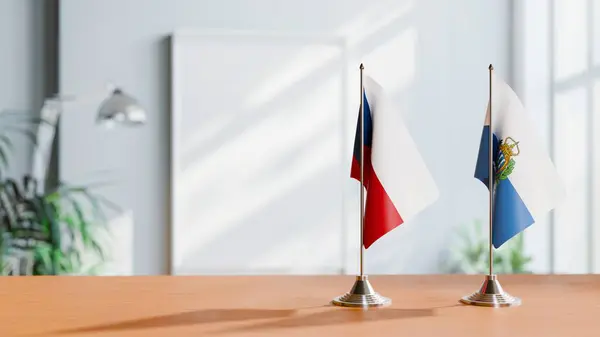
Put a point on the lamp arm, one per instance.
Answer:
(46, 131)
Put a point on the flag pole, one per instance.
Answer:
(362, 169)
(362, 294)
(491, 294)
(491, 175)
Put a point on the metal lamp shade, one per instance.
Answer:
(120, 108)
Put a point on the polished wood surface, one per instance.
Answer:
(149, 306)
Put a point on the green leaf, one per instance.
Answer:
(42, 255)
(97, 209)
(94, 269)
(58, 261)
(99, 250)
(47, 216)
(66, 265)
(72, 227)
(75, 257)
(83, 225)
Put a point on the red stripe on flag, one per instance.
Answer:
(355, 171)
(381, 216)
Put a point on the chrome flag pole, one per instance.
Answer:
(491, 294)
(362, 294)
(362, 169)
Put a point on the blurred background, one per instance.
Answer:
(242, 163)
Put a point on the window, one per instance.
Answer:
(557, 75)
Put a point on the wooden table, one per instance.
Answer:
(565, 306)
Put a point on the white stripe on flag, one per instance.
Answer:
(395, 158)
(534, 177)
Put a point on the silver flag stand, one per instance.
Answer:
(491, 294)
(362, 294)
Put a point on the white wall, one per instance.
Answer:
(440, 78)
(22, 67)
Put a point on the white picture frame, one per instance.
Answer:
(219, 247)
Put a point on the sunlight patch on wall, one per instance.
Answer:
(393, 64)
(571, 160)
(301, 252)
(302, 66)
(251, 171)
(570, 44)
(373, 19)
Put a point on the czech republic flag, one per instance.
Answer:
(397, 182)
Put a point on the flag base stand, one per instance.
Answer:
(491, 294)
(361, 295)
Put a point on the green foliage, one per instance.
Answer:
(472, 254)
(51, 233)
(54, 228)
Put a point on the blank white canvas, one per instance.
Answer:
(258, 154)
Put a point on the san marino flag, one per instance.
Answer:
(526, 182)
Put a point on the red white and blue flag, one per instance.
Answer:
(397, 181)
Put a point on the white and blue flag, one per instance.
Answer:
(526, 182)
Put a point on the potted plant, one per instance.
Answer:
(471, 256)
(51, 232)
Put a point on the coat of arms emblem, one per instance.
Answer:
(508, 148)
